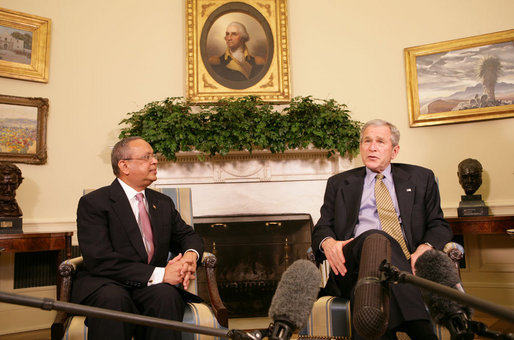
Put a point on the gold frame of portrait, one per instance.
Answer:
(274, 86)
(40, 155)
(416, 118)
(37, 70)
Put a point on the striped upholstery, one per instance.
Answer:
(330, 317)
(195, 313)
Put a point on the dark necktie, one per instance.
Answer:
(387, 215)
(146, 227)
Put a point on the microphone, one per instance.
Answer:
(371, 298)
(436, 266)
(293, 300)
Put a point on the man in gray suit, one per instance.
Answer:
(126, 232)
(349, 215)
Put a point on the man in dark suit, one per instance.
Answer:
(349, 214)
(125, 239)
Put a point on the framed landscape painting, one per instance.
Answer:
(23, 129)
(461, 80)
(24, 46)
(236, 49)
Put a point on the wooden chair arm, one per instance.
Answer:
(220, 311)
(66, 270)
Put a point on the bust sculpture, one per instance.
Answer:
(470, 175)
(470, 179)
(10, 180)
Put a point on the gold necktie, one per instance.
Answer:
(387, 215)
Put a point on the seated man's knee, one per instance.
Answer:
(113, 297)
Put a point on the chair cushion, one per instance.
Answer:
(196, 313)
(330, 317)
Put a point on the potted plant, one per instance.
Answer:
(246, 123)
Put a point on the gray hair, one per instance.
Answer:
(242, 30)
(121, 151)
(395, 133)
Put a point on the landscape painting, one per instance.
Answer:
(466, 79)
(449, 85)
(23, 129)
(24, 46)
(15, 45)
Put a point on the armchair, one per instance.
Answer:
(331, 316)
(66, 326)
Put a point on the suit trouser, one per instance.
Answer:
(161, 300)
(405, 303)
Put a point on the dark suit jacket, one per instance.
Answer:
(111, 243)
(418, 200)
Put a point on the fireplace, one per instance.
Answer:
(253, 251)
(253, 190)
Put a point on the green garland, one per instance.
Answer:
(245, 123)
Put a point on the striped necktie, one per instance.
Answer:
(387, 215)
(146, 227)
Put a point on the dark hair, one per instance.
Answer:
(121, 151)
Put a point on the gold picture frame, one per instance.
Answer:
(462, 80)
(23, 129)
(265, 72)
(24, 51)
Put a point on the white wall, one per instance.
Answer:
(108, 58)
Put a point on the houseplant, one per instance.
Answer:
(247, 123)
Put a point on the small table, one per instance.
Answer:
(481, 224)
(31, 242)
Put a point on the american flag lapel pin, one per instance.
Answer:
(409, 189)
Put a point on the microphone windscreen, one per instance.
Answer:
(436, 266)
(371, 298)
(295, 295)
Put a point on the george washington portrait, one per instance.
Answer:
(236, 46)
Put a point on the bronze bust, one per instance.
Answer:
(10, 180)
(470, 175)
(470, 179)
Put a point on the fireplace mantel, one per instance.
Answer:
(256, 183)
(258, 166)
(193, 156)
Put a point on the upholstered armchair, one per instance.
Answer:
(69, 327)
(331, 317)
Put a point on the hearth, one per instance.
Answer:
(253, 251)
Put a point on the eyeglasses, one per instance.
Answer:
(149, 157)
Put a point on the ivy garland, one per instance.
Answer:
(245, 123)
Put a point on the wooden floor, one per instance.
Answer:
(492, 323)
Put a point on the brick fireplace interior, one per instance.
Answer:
(253, 251)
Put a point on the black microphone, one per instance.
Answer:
(371, 298)
(292, 302)
(436, 266)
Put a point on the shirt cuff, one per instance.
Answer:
(197, 255)
(157, 276)
(320, 248)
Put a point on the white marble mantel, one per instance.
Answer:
(257, 183)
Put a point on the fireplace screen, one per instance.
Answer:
(252, 251)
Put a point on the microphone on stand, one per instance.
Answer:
(436, 266)
(371, 298)
(292, 303)
(444, 296)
